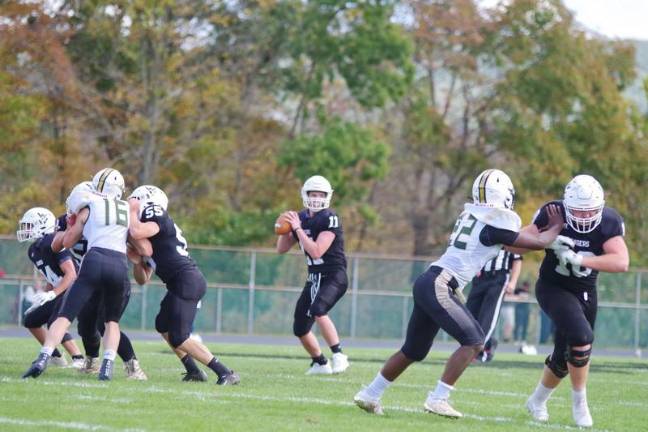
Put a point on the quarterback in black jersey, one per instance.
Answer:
(318, 231)
(185, 284)
(58, 268)
(591, 241)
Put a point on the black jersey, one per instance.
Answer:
(80, 248)
(170, 255)
(324, 220)
(46, 260)
(588, 244)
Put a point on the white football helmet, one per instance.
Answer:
(35, 223)
(150, 195)
(493, 188)
(109, 182)
(319, 184)
(584, 193)
(79, 197)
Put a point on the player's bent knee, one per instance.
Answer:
(66, 337)
(161, 326)
(558, 367)
(301, 326)
(177, 338)
(579, 356)
(318, 310)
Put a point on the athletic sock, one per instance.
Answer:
(189, 364)
(579, 396)
(320, 360)
(377, 386)
(47, 350)
(219, 368)
(109, 355)
(442, 390)
(55, 353)
(91, 346)
(125, 348)
(336, 348)
(542, 393)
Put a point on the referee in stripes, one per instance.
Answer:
(498, 277)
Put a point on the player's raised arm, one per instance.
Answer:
(285, 240)
(536, 239)
(137, 229)
(314, 248)
(74, 232)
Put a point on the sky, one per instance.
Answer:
(625, 19)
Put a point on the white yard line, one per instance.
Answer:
(61, 425)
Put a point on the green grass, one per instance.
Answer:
(275, 395)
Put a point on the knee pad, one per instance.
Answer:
(302, 325)
(558, 367)
(318, 309)
(66, 337)
(578, 358)
(177, 338)
(161, 326)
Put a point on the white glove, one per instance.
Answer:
(40, 299)
(569, 256)
(561, 243)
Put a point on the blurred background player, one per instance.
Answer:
(185, 284)
(483, 228)
(498, 277)
(102, 218)
(591, 241)
(318, 231)
(38, 225)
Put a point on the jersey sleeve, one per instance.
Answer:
(612, 224)
(541, 218)
(491, 236)
(331, 223)
(153, 213)
(61, 223)
(63, 256)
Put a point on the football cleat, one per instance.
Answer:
(198, 376)
(368, 403)
(582, 415)
(231, 378)
(38, 366)
(318, 369)
(90, 365)
(340, 363)
(78, 363)
(537, 410)
(441, 407)
(134, 371)
(106, 370)
(58, 361)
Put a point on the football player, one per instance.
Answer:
(91, 321)
(185, 284)
(102, 218)
(318, 231)
(38, 225)
(590, 241)
(483, 228)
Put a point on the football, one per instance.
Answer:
(281, 226)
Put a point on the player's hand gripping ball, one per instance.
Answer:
(282, 226)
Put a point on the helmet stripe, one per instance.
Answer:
(102, 179)
(482, 185)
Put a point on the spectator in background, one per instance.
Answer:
(521, 313)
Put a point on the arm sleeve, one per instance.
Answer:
(612, 224)
(156, 214)
(61, 223)
(540, 219)
(491, 236)
(63, 256)
(331, 223)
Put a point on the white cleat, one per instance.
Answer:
(77, 363)
(582, 415)
(134, 371)
(90, 365)
(368, 403)
(537, 410)
(318, 369)
(440, 407)
(340, 363)
(58, 361)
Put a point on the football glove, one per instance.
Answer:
(561, 243)
(40, 299)
(568, 256)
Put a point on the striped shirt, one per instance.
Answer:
(503, 261)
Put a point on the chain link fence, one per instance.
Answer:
(253, 291)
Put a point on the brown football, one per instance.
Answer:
(281, 226)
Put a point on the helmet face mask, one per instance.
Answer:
(316, 202)
(584, 202)
(35, 223)
(493, 188)
(109, 182)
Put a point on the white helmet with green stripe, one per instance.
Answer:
(109, 182)
(493, 188)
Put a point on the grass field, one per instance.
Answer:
(275, 395)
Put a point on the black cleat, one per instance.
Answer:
(231, 378)
(38, 366)
(198, 375)
(106, 370)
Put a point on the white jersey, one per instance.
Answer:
(107, 224)
(466, 254)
